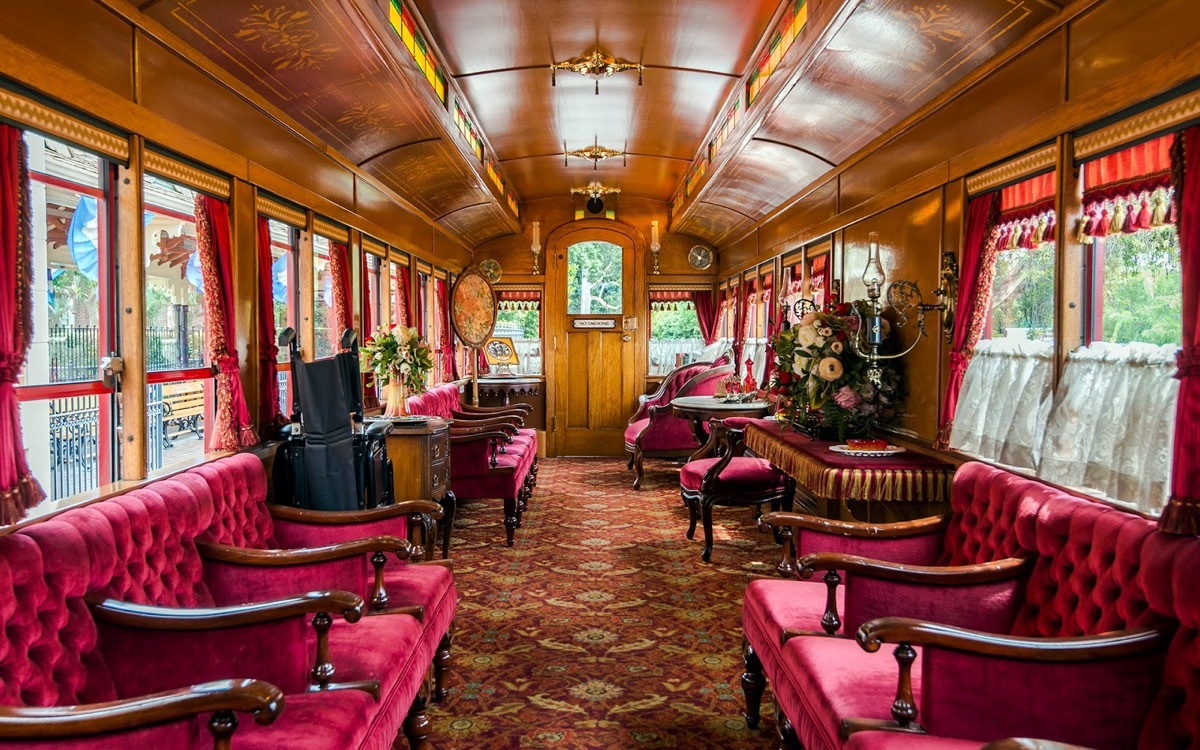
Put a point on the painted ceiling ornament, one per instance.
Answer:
(595, 67)
(594, 153)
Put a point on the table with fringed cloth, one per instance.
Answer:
(900, 487)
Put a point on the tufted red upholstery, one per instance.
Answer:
(987, 504)
(238, 485)
(669, 387)
(748, 474)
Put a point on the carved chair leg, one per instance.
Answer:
(753, 685)
(510, 520)
(786, 733)
(630, 464)
(637, 465)
(222, 725)
(693, 515)
(441, 667)
(449, 506)
(706, 507)
(416, 724)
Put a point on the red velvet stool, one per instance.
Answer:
(732, 479)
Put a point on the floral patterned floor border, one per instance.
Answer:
(602, 628)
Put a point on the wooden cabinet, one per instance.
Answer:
(502, 391)
(421, 464)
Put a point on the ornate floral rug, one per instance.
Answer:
(602, 628)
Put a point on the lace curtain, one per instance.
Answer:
(1113, 423)
(990, 422)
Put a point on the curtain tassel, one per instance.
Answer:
(1146, 216)
(1116, 223)
(1159, 216)
(1181, 516)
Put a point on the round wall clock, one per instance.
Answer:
(473, 307)
(701, 257)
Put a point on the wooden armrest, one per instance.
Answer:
(1119, 643)
(473, 421)
(523, 408)
(261, 699)
(368, 515)
(153, 617)
(954, 575)
(305, 555)
(471, 436)
(897, 530)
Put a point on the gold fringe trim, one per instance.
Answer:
(1181, 516)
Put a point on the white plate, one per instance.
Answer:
(846, 450)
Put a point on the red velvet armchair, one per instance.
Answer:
(491, 454)
(654, 431)
(1082, 658)
(869, 569)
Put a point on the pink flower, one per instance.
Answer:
(846, 397)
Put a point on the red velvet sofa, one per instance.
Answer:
(491, 454)
(1075, 652)
(654, 431)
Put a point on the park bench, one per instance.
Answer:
(183, 406)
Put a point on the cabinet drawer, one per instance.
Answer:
(439, 478)
(439, 446)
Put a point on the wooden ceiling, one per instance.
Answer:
(858, 67)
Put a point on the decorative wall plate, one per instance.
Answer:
(473, 307)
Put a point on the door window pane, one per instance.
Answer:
(594, 274)
(174, 284)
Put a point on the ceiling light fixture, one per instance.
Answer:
(596, 153)
(595, 67)
(595, 190)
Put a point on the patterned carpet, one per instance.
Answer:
(602, 628)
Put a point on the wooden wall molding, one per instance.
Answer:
(280, 212)
(374, 247)
(187, 175)
(328, 229)
(37, 116)
(1164, 117)
(399, 258)
(518, 287)
(679, 287)
(1035, 162)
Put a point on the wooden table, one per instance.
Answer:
(700, 409)
(894, 488)
(421, 469)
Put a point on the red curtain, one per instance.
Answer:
(370, 395)
(268, 351)
(977, 266)
(19, 490)
(232, 428)
(770, 309)
(444, 347)
(339, 269)
(1182, 514)
(401, 313)
(706, 315)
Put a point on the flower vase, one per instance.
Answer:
(397, 398)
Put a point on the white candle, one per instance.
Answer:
(537, 230)
(654, 233)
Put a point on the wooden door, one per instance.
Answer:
(597, 346)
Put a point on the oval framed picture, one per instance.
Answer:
(473, 307)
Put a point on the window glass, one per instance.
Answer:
(174, 284)
(323, 321)
(176, 413)
(674, 333)
(374, 289)
(1023, 294)
(1137, 288)
(284, 289)
(520, 319)
(400, 294)
(594, 274)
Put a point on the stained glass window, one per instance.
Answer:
(793, 22)
(467, 128)
(405, 26)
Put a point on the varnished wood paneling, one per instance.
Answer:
(787, 231)
(1117, 36)
(763, 171)
(131, 321)
(244, 236)
(80, 34)
(579, 344)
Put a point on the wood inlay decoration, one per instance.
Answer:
(38, 116)
(280, 212)
(326, 228)
(187, 175)
(1030, 164)
(1164, 117)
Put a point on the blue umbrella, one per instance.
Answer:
(279, 278)
(82, 235)
(193, 272)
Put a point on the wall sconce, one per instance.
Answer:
(654, 246)
(595, 67)
(903, 297)
(536, 247)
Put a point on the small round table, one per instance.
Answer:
(700, 409)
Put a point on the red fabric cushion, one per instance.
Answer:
(901, 741)
(771, 606)
(635, 429)
(743, 473)
(238, 487)
(340, 719)
(988, 506)
(505, 482)
(824, 680)
(986, 606)
(666, 432)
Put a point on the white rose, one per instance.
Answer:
(806, 336)
(836, 346)
(825, 331)
(819, 342)
(405, 369)
(799, 364)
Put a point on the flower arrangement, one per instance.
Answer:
(823, 385)
(401, 360)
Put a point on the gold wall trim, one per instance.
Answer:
(1010, 171)
(187, 175)
(399, 258)
(680, 287)
(1164, 117)
(280, 212)
(326, 228)
(423, 267)
(374, 247)
(37, 116)
(518, 287)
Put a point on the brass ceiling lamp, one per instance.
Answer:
(595, 67)
(595, 190)
(595, 153)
